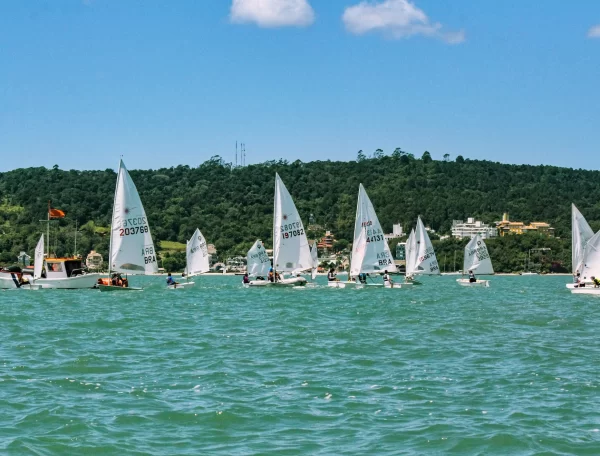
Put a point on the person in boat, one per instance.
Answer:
(331, 276)
(271, 275)
(596, 282)
(576, 277)
(170, 280)
(387, 279)
(472, 277)
(116, 280)
(246, 279)
(362, 278)
(277, 277)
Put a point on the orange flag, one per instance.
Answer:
(56, 213)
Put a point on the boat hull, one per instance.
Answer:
(586, 291)
(115, 288)
(181, 286)
(290, 282)
(69, 283)
(467, 283)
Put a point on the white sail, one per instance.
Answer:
(581, 234)
(314, 254)
(291, 251)
(257, 260)
(370, 251)
(38, 261)
(131, 247)
(477, 258)
(410, 253)
(591, 258)
(197, 259)
(426, 261)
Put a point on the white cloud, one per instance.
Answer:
(273, 13)
(395, 18)
(594, 31)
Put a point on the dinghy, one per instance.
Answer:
(425, 260)
(477, 259)
(196, 258)
(291, 252)
(581, 233)
(258, 264)
(370, 251)
(131, 247)
(591, 267)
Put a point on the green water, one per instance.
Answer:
(224, 370)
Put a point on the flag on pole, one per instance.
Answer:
(55, 213)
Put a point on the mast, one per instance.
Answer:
(48, 232)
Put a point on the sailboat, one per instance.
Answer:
(591, 267)
(581, 233)
(131, 247)
(425, 260)
(197, 260)
(291, 252)
(477, 259)
(258, 262)
(454, 271)
(370, 250)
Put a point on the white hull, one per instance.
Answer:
(529, 273)
(66, 283)
(290, 282)
(8, 281)
(117, 289)
(398, 285)
(179, 286)
(467, 283)
(586, 290)
(452, 273)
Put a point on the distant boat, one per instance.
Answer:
(581, 233)
(425, 260)
(291, 252)
(196, 258)
(591, 267)
(476, 259)
(131, 247)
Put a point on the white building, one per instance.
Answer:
(472, 227)
(24, 259)
(397, 232)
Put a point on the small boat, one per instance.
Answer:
(425, 260)
(258, 264)
(131, 247)
(370, 251)
(197, 260)
(591, 267)
(291, 252)
(477, 259)
(581, 233)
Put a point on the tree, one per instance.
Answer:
(446, 157)
(397, 153)
(378, 153)
(460, 159)
(426, 157)
(360, 156)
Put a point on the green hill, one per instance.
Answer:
(233, 206)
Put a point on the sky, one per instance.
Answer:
(167, 83)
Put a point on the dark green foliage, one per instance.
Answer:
(233, 207)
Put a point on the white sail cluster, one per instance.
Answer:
(420, 255)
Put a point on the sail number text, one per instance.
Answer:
(133, 230)
(148, 253)
(291, 230)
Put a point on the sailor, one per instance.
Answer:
(362, 277)
(170, 280)
(246, 278)
(596, 282)
(271, 275)
(576, 277)
(331, 275)
(472, 277)
(386, 278)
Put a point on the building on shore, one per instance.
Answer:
(397, 232)
(94, 260)
(505, 226)
(326, 241)
(472, 227)
(24, 259)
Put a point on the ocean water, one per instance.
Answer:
(223, 370)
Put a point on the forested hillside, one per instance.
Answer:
(233, 206)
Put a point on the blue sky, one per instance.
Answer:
(169, 83)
